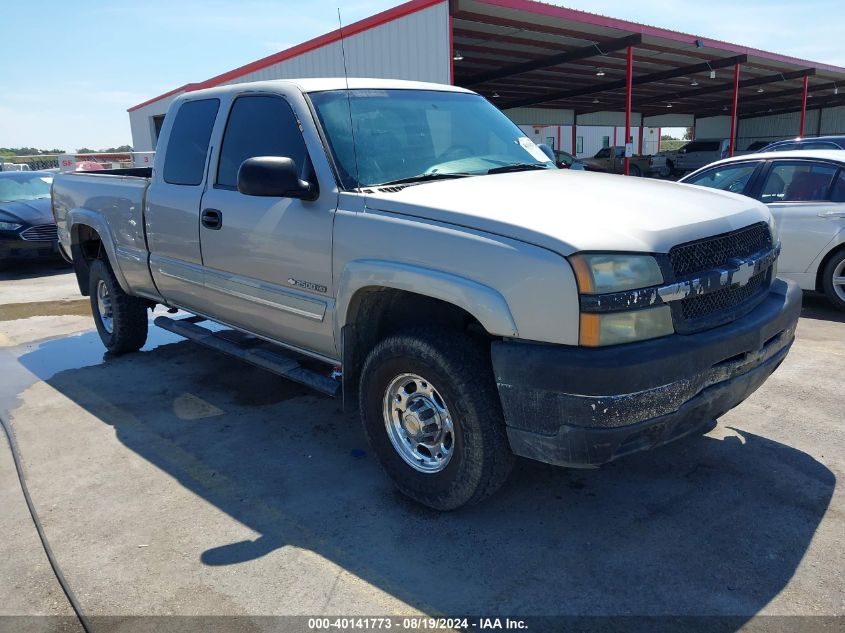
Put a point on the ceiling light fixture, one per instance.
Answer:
(595, 100)
(599, 73)
(458, 56)
(760, 90)
(668, 105)
(694, 83)
(495, 95)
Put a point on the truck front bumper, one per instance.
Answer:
(583, 407)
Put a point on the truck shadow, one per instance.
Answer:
(704, 527)
(817, 306)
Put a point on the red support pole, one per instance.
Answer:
(734, 111)
(629, 79)
(640, 142)
(574, 139)
(451, 52)
(803, 108)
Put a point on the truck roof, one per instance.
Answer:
(319, 84)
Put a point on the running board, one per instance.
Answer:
(270, 359)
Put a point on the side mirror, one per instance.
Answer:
(548, 151)
(274, 176)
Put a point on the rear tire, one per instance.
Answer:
(633, 170)
(121, 319)
(456, 452)
(835, 270)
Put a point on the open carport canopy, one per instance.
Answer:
(529, 54)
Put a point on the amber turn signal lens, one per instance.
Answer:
(590, 333)
(583, 275)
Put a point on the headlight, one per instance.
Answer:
(600, 273)
(9, 226)
(612, 328)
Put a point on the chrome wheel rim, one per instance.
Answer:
(104, 306)
(839, 280)
(419, 423)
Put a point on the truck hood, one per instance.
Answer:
(569, 211)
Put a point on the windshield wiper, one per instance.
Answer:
(515, 167)
(423, 178)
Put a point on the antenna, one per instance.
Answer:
(349, 101)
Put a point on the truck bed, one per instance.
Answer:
(112, 202)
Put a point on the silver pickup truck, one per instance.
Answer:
(474, 301)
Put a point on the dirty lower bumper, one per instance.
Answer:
(583, 407)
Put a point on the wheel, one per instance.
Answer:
(432, 415)
(121, 319)
(833, 280)
(634, 170)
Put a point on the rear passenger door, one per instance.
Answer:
(800, 193)
(267, 265)
(173, 202)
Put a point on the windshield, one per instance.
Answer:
(407, 134)
(24, 187)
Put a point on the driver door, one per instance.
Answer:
(267, 260)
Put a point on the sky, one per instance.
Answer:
(70, 70)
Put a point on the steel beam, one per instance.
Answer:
(745, 83)
(584, 52)
(642, 79)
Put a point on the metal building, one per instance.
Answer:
(556, 71)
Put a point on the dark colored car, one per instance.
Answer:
(27, 227)
(818, 142)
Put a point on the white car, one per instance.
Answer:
(805, 191)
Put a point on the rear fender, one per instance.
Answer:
(79, 217)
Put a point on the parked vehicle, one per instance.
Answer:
(805, 191)
(818, 142)
(14, 167)
(27, 227)
(752, 148)
(479, 302)
(694, 155)
(612, 160)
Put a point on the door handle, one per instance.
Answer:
(212, 219)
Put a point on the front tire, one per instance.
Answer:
(433, 418)
(833, 280)
(121, 319)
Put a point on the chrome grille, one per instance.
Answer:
(705, 305)
(715, 308)
(711, 252)
(40, 233)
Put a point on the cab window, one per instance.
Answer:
(725, 177)
(798, 182)
(187, 147)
